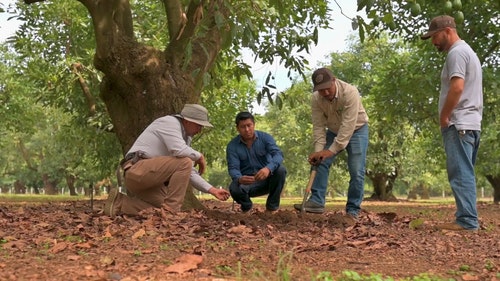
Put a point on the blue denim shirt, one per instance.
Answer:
(248, 161)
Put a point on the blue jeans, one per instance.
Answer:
(273, 186)
(356, 161)
(461, 149)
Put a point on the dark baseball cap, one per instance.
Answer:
(437, 24)
(322, 79)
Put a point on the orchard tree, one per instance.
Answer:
(141, 81)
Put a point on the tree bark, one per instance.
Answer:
(191, 202)
(382, 186)
(495, 183)
(70, 181)
(19, 187)
(48, 185)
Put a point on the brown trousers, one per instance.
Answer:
(154, 182)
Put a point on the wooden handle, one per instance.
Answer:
(311, 180)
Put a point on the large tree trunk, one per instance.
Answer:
(142, 83)
(495, 183)
(191, 202)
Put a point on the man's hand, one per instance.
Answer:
(316, 157)
(220, 194)
(246, 180)
(202, 164)
(262, 174)
(444, 122)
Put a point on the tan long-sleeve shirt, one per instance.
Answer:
(343, 115)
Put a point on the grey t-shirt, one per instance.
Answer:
(463, 62)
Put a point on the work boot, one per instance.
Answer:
(110, 204)
(349, 219)
(271, 211)
(310, 207)
(454, 227)
(247, 212)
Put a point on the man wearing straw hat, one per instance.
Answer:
(159, 166)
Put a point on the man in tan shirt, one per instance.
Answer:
(339, 122)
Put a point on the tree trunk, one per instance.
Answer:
(70, 181)
(48, 185)
(421, 190)
(382, 186)
(495, 183)
(19, 187)
(190, 201)
(5, 189)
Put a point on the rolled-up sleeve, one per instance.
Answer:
(233, 161)
(319, 123)
(198, 182)
(349, 117)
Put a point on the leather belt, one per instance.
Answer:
(131, 158)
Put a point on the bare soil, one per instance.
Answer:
(72, 241)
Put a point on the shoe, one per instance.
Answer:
(247, 211)
(454, 227)
(349, 219)
(310, 207)
(109, 205)
(271, 212)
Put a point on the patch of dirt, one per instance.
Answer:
(69, 241)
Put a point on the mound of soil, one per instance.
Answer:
(72, 241)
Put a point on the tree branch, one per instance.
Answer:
(112, 20)
(176, 18)
(83, 84)
(32, 1)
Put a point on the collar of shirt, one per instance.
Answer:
(254, 138)
(336, 89)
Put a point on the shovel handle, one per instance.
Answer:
(311, 180)
(308, 187)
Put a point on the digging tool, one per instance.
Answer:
(308, 187)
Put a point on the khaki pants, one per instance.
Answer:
(154, 182)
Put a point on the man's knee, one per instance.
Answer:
(184, 163)
(235, 189)
(281, 171)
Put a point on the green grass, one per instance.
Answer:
(285, 201)
(40, 198)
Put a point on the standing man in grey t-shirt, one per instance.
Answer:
(460, 114)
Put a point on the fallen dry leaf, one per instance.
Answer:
(231, 246)
(141, 232)
(59, 247)
(73, 257)
(185, 263)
